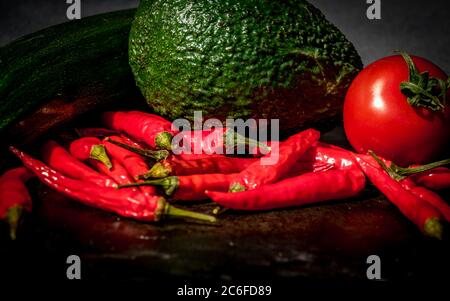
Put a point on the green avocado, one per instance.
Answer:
(241, 59)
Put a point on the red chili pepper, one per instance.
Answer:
(14, 197)
(425, 194)
(58, 158)
(90, 149)
(127, 140)
(129, 145)
(329, 154)
(215, 141)
(420, 212)
(189, 157)
(407, 183)
(133, 163)
(225, 165)
(290, 151)
(437, 178)
(95, 132)
(80, 149)
(302, 167)
(121, 202)
(297, 191)
(152, 129)
(175, 166)
(189, 188)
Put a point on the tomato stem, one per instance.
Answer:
(423, 90)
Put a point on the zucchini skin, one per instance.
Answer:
(80, 66)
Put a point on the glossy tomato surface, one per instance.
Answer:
(378, 117)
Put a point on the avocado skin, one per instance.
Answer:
(241, 59)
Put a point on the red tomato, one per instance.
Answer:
(378, 117)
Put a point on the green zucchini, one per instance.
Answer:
(76, 67)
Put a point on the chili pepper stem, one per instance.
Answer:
(236, 187)
(13, 217)
(398, 173)
(98, 152)
(157, 171)
(169, 184)
(219, 210)
(156, 155)
(234, 139)
(164, 141)
(170, 210)
(433, 228)
(389, 170)
(413, 170)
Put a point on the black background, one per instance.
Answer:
(419, 27)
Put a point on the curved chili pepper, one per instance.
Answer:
(328, 155)
(58, 158)
(420, 212)
(214, 141)
(407, 183)
(174, 166)
(289, 152)
(123, 203)
(14, 197)
(297, 191)
(132, 162)
(189, 188)
(152, 129)
(90, 149)
(437, 178)
(425, 194)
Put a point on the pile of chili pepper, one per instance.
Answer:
(134, 164)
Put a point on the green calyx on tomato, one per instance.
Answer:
(423, 90)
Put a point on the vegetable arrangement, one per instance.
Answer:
(126, 167)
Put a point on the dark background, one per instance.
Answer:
(419, 27)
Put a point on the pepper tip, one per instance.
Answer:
(433, 228)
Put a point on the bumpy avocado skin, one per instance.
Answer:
(241, 59)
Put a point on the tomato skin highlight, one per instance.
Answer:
(378, 117)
